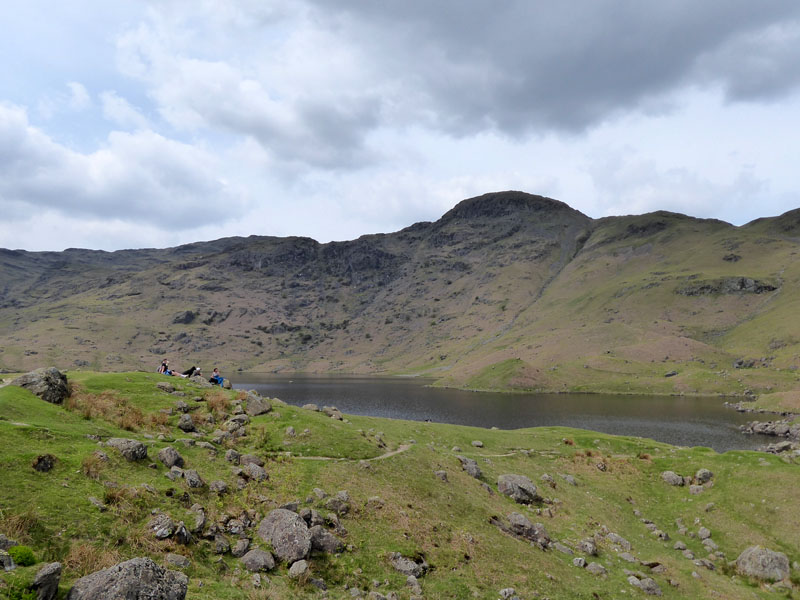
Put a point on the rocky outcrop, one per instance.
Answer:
(170, 457)
(256, 405)
(45, 584)
(130, 449)
(518, 487)
(408, 566)
(762, 563)
(49, 384)
(135, 579)
(470, 466)
(288, 534)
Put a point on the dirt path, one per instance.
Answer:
(401, 448)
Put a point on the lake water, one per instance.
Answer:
(682, 421)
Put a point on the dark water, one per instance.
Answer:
(682, 421)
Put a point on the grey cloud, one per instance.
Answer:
(524, 65)
(136, 178)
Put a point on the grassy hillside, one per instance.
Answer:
(506, 291)
(398, 504)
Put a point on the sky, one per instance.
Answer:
(135, 123)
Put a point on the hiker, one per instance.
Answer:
(216, 378)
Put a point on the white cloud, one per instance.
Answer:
(79, 97)
(123, 113)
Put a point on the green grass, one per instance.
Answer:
(753, 496)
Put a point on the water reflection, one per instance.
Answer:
(683, 421)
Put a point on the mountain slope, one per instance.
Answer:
(505, 291)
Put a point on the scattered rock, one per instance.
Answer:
(579, 562)
(536, 533)
(702, 476)
(165, 386)
(470, 466)
(170, 457)
(193, 480)
(221, 544)
(313, 407)
(182, 535)
(588, 546)
(161, 526)
(340, 503)
(672, 478)
(324, 541)
(130, 449)
(136, 578)
(258, 560)
(696, 489)
(618, 540)
(646, 584)
(332, 412)
(241, 547)
(185, 423)
(441, 475)
(288, 534)
(178, 561)
(762, 563)
(218, 487)
(232, 456)
(477, 443)
(408, 566)
(562, 548)
(49, 384)
(6, 543)
(299, 569)
(6, 562)
(248, 459)
(518, 487)
(254, 472)
(596, 569)
(256, 405)
(569, 479)
(45, 584)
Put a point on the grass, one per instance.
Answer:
(753, 496)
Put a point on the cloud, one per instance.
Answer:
(121, 112)
(79, 97)
(139, 177)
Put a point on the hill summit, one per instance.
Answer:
(507, 290)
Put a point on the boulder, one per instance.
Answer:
(49, 384)
(6, 543)
(313, 407)
(408, 566)
(256, 405)
(323, 540)
(130, 449)
(45, 584)
(255, 472)
(177, 560)
(522, 527)
(201, 381)
(138, 578)
(193, 479)
(44, 463)
(762, 563)
(332, 412)
(299, 570)
(596, 569)
(6, 562)
(588, 546)
(672, 478)
(218, 487)
(170, 457)
(185, 423)
(288, 534)
(618, 540)
(246, 459)
(702, 476)
(441, 475)
(258, 560)
(518, 487)
(165, 386)
(241, 547)
(161, 526)
(470, 466)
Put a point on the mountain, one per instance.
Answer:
(505, 291)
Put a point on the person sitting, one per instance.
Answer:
(216, 378)
(164, 368)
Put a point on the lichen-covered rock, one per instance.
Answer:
(49, 384)
(470, 466)
(6, 543)
(130, 449)
(170, 457)
(672, 478)
(762, 563)
(45, 584)
(323, 540)
(161, 526)
(193, 479)
(408, 566)
(256, 405)
(518, 487)
(255, 472)
(299, 569)
(288, 534)
(186, 423)
(536, 533)
(258, 560)
(703, 476)
(135, 579)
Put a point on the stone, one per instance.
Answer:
(288, 534)
(256, 405)
(596, 569)
(193, 480)
(161, 526)
(258, 560)
(562, 548)
(248, 459)
(241, 547)
(299, 569)
(44, 463)
(696, 489)
(628, 557)
(407, 566)
(178, 561)
(477, 443)
(97, 503)
(646, 584)
(170, 457)
(704, 533)
(221, 544)
(333, 412)
(569, 479)
(136, 578)
(588, 546)
(130, 449)
(313, 407)
(165, 386)
(441, 475)
(174, 473)
(182, 535)
(339, 504)
(186, 423)
(45, 584)
(518, 487)
(522, 527)
(579, 562)
(762, 563)
(323, 540)
(6, 562)
(618, 540)
(6, 543)
(703, 476)
(470, 466)
(232, 456)
(672, 478)
(49, 384)
(218, 487)
(255, 472)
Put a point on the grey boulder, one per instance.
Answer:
(256, 405)
(49, 384)
(762, 563)
(130, 449)
(135, 579)
(470, 466)
(323, 540)
(258, 560)
(518, 487)
(408, 566)
(288, 534)
(45, 584)
(170, 457)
